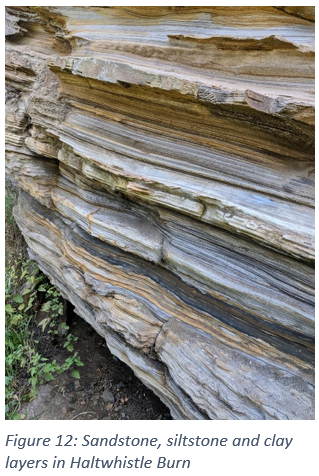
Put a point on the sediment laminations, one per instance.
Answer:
(165, 162)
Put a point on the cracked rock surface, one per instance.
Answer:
(165, 162)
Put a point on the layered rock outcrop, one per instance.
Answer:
(165, 162)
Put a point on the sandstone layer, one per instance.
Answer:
(165, 162)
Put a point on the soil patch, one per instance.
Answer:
(107, 389)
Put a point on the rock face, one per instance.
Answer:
(165, 161)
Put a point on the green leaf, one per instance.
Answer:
(44, 323)
(18, 298)
(38, 280)
(33, 381)
(76, 374)
(70, 347)
(47, 368)
(41, 288)
(9, 308)
(48, 376)
(15, 319)
(21, 307)
(46, 306)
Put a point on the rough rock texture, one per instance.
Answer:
(165, 161)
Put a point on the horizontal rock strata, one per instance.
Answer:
(165, 162)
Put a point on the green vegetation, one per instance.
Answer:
(28, 296)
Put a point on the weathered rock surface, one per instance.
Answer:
(165, 161)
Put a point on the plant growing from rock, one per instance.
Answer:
(25, 285)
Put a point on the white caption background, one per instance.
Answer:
(299, 458)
